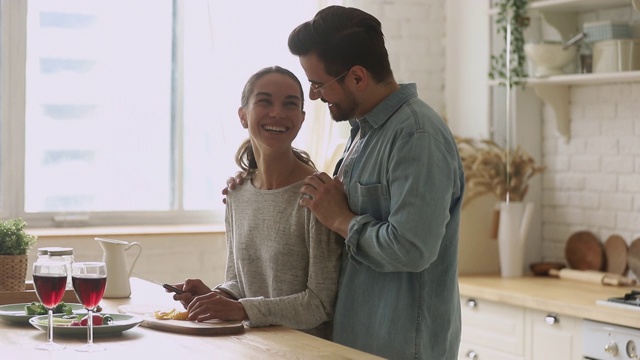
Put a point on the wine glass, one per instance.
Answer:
(89, 281)
(49, 281)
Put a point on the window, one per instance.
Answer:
(129, 112)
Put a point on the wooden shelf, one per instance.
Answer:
(563, 16)
(576, 5)
(554, 91)
(587, 79)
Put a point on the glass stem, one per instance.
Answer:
(50, 328)
(90, 323)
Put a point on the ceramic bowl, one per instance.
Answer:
(549, 58)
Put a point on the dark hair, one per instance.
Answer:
(245, 157)
(343, 37)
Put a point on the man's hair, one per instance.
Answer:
(343, 37)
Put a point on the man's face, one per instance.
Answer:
(334, 91)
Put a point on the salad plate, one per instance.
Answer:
(15, 313)
(121, 322)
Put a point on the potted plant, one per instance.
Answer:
(511, 21)
(15, 244)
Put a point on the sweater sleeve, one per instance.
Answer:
(313, 306)
(231, 284)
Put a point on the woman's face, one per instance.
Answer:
(274, 113)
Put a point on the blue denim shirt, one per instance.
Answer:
(398, 295)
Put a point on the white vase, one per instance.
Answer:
(515, 220)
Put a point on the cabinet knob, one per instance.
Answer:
(611, 348)
(472, 355)
(472, 303)
(551, 319)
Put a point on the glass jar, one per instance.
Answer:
(62, 254)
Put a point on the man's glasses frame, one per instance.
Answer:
(317, 88)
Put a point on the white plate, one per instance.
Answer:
(15, 313)
(120, 323)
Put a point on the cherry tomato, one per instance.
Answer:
(97, 320)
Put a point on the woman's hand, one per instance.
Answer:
(216, 306)
(191, 288)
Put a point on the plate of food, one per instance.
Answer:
(103, 324)
(21, 313)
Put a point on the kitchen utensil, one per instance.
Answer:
(584, 251)
(573, 40)
(211, 327)
(542, 268)
(166, 286)
(615, 251)
(633, 257)
(594, 277)
(118, 273)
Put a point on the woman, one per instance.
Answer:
(282, 264)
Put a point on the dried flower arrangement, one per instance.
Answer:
(488, 168)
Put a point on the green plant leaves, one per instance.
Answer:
(13, 239)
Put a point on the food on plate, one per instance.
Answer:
(98, 320)
(172, 314)
(36, 308)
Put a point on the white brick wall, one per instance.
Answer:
(592, 182)
(414, 33)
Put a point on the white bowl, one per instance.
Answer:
(549, 58)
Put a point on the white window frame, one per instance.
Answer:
(326, 143)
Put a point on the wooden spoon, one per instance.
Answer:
(584, 251)
(615, 251)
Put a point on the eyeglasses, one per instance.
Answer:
(318, 87)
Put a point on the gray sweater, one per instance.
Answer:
(282, 263)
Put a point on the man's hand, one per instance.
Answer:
(325, 197)
(232, 182)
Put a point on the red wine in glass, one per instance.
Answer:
(49, 281)
(89, 281)
(89, 289)
(50, 288)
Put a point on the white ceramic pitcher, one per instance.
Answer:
(118, 273)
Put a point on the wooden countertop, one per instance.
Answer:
(553, 295)
(18, 341)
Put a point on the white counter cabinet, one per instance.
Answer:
(492, 330)
(553, 336)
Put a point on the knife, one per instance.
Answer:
(164, 285)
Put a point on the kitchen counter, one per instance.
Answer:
(549, 294)
(18, 341)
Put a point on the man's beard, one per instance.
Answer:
(347, 108)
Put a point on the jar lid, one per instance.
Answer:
(55, 251)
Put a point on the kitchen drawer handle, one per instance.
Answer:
(472, 355)
(551, 319)
(472, 303)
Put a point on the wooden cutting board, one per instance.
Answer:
(211, 327)
(633, 257)
(584, 251)
(615, 251)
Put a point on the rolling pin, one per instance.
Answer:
(594, 277)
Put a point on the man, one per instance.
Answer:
(395, 199)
